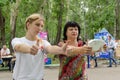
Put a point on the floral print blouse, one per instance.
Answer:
(72, 68)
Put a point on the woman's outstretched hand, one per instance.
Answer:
(72, 50)
(34, 49)
(86, 49)
(64, 47)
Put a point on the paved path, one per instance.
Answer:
(100, 73)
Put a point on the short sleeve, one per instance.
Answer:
(15, 41)
(46, 43)
(8, 51)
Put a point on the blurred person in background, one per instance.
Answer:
(5, 52)
(111, 48)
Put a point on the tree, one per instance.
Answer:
(2, 29)
(2, 23)
(59, 17)
(92, 15)
(13, 19)
(117, 18)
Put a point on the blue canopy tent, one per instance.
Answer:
(102, 34)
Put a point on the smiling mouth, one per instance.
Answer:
(74, 34)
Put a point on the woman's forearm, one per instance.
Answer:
(79, 50)
(75, 51)
(54, 50)
(22, 48)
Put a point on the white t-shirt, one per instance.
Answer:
(27, 66)
(111, 44)
(5, 52)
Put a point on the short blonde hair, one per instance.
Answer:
(33, 17)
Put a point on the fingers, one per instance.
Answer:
(60, 44)
(87, 49)
(65, 47)
(68, 41)
(37, 42)
(34, 49)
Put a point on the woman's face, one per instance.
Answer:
(72, 33)
(35, 27)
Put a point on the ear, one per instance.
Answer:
(27, 25)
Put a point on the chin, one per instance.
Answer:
(75, 37)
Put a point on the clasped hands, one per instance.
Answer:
(72, 50)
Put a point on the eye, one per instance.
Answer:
(37, 24)
(42, 26)
(76, 29)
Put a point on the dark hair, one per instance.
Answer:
(109, 36)
(70, 24)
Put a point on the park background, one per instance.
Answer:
(92, 15)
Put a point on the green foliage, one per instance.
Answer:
(92, 15)
(3, 2)
(100, 14)
(26, 8)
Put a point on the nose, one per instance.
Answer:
(73, 30)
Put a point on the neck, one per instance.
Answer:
(73, 42)
(29, 37)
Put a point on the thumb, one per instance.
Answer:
(68, 41)
(65, 47)
(66, 44)
(37, 42)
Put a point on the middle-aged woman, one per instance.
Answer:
(73, 66)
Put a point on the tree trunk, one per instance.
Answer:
(13, 30)
(13, 19)
(67, 15)
(2, 29)
(117, 18)
(59, 27)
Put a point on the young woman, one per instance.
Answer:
(73, 66)
(30, 51)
